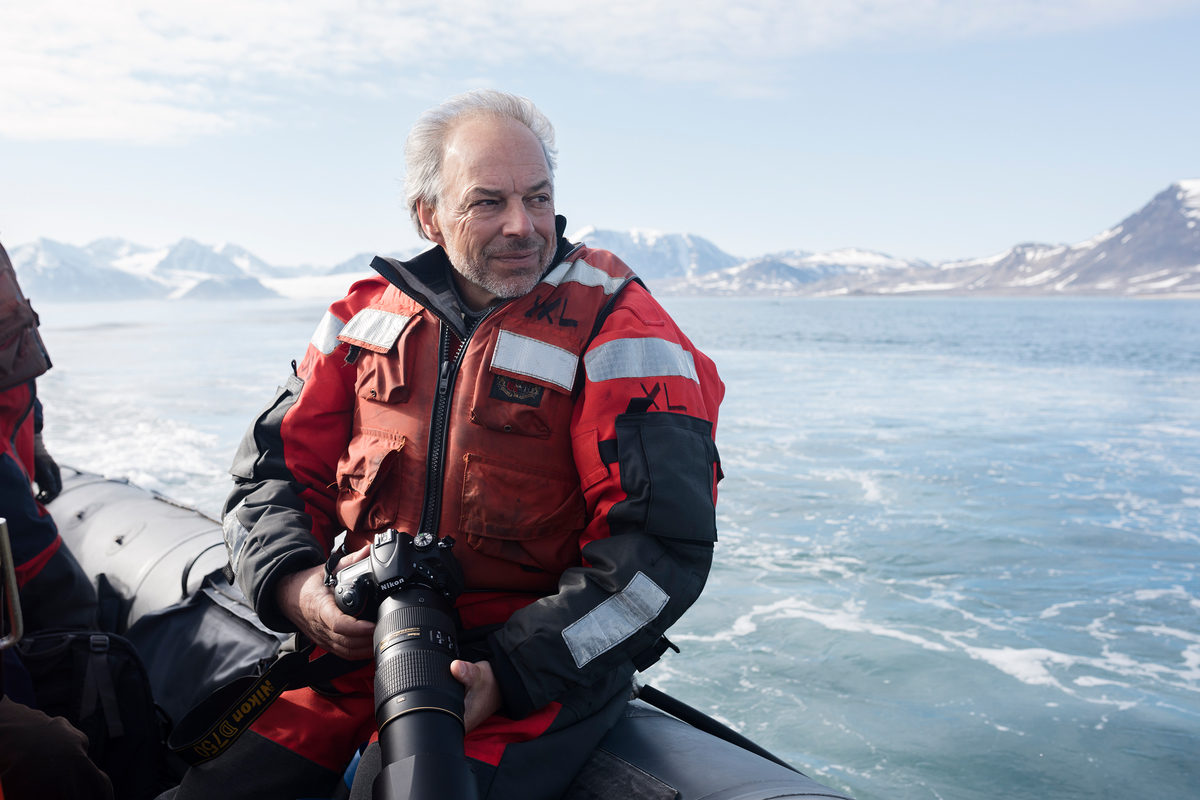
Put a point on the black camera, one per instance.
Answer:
(408, 585)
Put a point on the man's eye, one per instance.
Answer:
(541, 199)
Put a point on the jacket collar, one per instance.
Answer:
(426, 278)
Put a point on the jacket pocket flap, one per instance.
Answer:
(514, 502)
(374, 329)
(367, 458)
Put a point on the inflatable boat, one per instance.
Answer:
(157, 565)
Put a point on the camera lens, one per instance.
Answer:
(414, 645)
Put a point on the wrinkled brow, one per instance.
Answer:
(498, 193)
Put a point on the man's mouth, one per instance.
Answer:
(518, 253)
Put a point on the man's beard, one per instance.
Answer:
(475, 269)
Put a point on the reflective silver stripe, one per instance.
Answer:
(235, 538)
(324, 338)
(615, 620)
(375, 327)
(638, 358)
(584, 273)
(535, 359)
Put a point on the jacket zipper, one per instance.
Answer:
(439, 426)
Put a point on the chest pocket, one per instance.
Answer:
(384, 375)
(525, 387)
(522, 514)
(368, 482)
(369, 474)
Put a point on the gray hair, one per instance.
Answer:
(426, 144)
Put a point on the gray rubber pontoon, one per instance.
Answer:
(161, 563)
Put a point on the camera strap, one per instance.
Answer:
(218, 720)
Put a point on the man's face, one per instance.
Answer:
(495, 218)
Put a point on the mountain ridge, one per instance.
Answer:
(1153, 251)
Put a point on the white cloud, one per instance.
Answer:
(149, 70)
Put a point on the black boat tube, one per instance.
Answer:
(703, 722)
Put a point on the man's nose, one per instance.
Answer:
(517, 221)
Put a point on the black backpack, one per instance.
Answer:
(98, 683)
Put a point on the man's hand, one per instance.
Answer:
(45, 472)
(304, 598)
(483, 693)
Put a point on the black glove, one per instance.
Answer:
(45, 472)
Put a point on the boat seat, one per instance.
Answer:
(649, 754)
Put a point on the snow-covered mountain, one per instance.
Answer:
(50, 270)
(225, 287)
(654, 255)
(791, 272)
(765, 275)
(1154, 251)
(188, 258)
(116, 269)
(247, 262)
(362, 261)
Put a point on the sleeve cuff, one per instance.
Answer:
(517, 703)
(264, 603)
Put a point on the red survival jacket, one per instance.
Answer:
(565, 442)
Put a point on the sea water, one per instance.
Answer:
(959, 538)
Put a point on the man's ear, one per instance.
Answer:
(427, 214)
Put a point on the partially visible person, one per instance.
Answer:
(55, 592)
(44, 758)
(41, 757)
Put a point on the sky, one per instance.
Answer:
(933, 129)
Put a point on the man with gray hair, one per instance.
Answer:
(516, 392)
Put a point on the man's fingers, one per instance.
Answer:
(482, 694)
(353, 558)
(349, 626)
(340, 634)
(464, 672)
(323, 622)
(352, 639)
(335, 620)
(348, 646)
(350, 653)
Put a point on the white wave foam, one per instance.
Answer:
(1090, 681)
(942, 599)
(1175, 592)
(742, 626)
(872, 493)
(1163, 630)
(1033, 666)
(848, 618)
(1056, 609)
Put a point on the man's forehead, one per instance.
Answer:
(485, 150)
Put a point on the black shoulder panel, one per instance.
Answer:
(260, 455)
(666, 462)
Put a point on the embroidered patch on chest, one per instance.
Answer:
(511, 390)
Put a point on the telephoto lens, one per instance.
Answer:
(418, 702)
